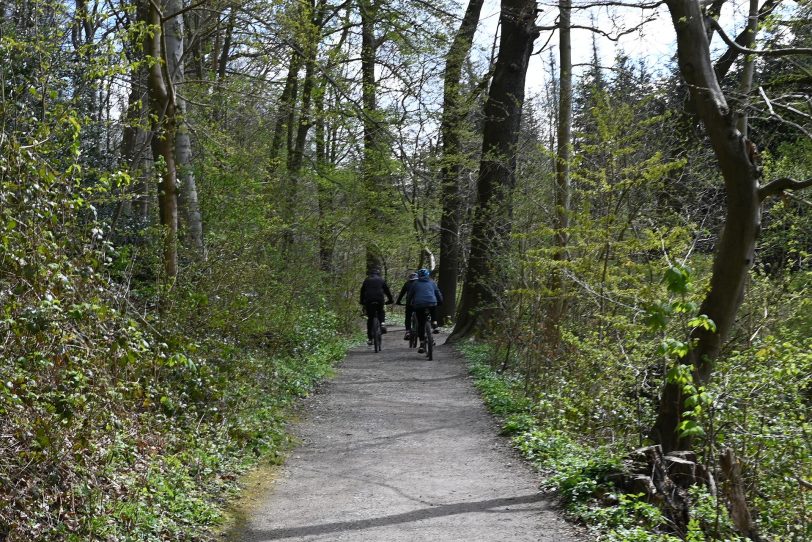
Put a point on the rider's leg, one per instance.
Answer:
(382, 317)
(421, 324)
(370, 313)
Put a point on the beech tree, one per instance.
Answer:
(453, 114)
(490, 233)
(163, 114)
(745, 194)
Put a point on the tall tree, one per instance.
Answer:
(373, 144)
(188, 198)
(490, 233)
(735, 248)
(562, 166)
(163, 113)
(453, 159)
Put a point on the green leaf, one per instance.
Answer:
(677, 278)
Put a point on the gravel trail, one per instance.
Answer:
(398, 448)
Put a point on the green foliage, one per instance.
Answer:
(122, 423)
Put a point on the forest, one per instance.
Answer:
(191, 192)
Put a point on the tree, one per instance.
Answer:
(562, 168)
(188, 198)
(163, 113)
(453, 116)
(490, 233)
(735, 249)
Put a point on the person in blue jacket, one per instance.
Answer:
(424, 294)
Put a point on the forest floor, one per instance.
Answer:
(398, 448)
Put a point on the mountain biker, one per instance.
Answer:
(424, 294)
(404, 292)
(373, 290)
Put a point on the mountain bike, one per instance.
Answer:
(413, 331)
(428, 333)
(375, 326)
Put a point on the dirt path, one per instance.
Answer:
(397, 448)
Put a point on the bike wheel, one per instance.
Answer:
(376, 334)
(413, 333)
(429, 340)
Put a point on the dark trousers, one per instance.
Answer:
(421, 319)
(374, 309)
(409, 311)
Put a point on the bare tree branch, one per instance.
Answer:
(779, 185)
(766, 52)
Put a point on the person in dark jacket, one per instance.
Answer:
(424, 294)
(404, 293)
(373, 291)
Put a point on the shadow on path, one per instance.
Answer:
(489, 506)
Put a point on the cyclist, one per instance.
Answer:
(373, 291)
(424, 294)
(405, 292)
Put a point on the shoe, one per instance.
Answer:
(435, 330)
(369, 342)
(407, 336)
(383, 330)
(422, 349)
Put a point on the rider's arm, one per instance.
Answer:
(402, 293)
(388, 294)
(438, 294)
(363, 287)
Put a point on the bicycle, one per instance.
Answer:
(413, 331)
(376, 328)
(428, 333)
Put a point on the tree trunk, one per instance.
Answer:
(183, 144)
(734, 255)
(134, 141)
(490, 233)
(162, 112)
(453, 159)
(286, 104)
(372, 132)
(312, 18)
(562, 166)
(746, 82)
(324, 195)
(224, 54)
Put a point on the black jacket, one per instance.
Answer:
(404, 291)
(373, 290)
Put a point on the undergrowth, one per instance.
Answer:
(578, 470)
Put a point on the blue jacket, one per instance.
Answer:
(424, 293)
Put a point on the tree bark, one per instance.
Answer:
(452, 160)
(324, 195)
(312, 18)
(746, 82)
(373, 152)
(490, 233)
(188, 198)
(562, 165)
(163, 114)
(286, 105)
(734, 255)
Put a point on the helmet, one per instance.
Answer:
(412, 276)
(423, 273)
